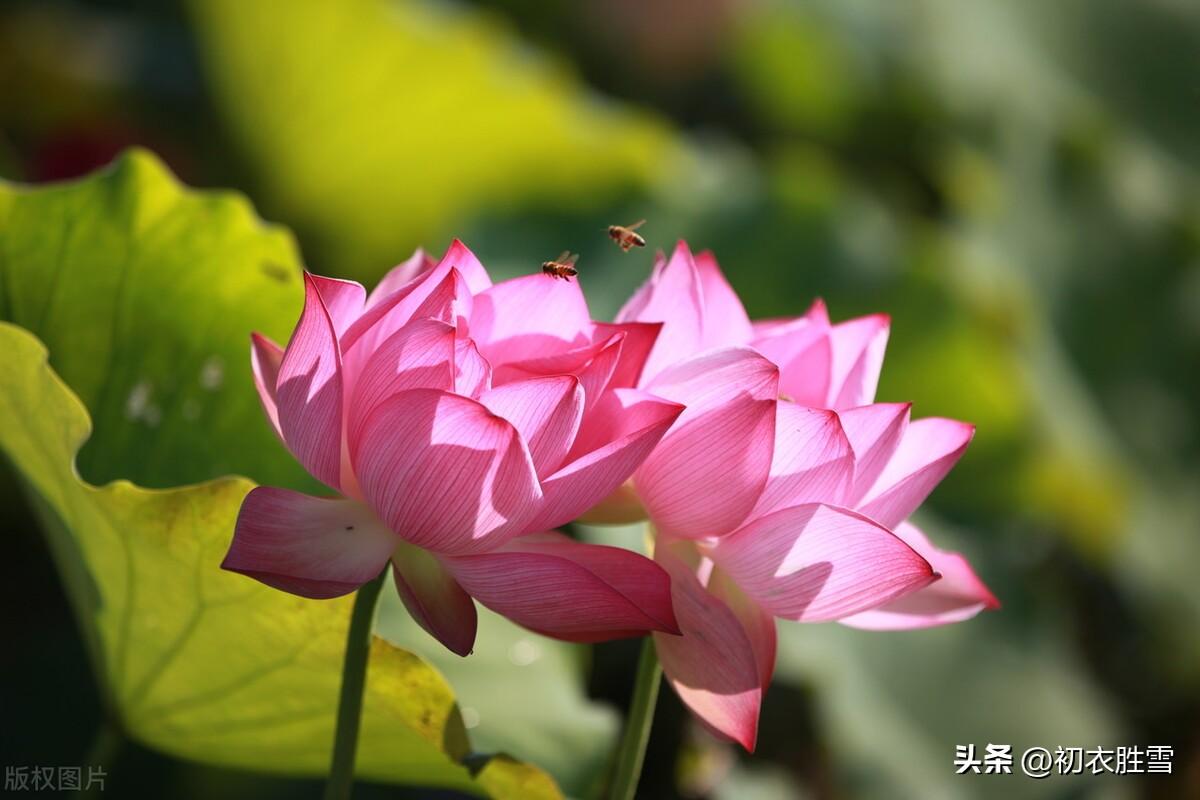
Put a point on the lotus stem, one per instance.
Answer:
(632, 752)
(354, 675)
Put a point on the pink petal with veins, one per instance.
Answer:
(444, 472)
(343, 300)
(874, 432)
(418, 356)
(637, 342)
(671, 295)
(458, 256)
(858, 347)
(265, 358)
(725, 319)
(928, 450)
(712, 666)
(815, 563)
(812, 461)
(562, 588)
(527, 316)
(473, 373)
(708, 472)
(612, 442)
(545, 411)
(594, 364)
(309, 391)
(434, 598)
(311, 546)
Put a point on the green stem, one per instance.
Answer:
(354, 674)
(637, 725)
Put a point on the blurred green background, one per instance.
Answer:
(1016, 183)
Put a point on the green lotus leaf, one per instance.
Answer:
(145, 294)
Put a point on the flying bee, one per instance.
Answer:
(625, 236)
(562, 267)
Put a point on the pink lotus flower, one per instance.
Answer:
(790, 508)
(460, 421)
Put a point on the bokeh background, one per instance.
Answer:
(1015, 183)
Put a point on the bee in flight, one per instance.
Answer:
(562, 267)
(625, 236)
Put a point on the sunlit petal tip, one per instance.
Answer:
(879, 318)
(458, 255)
(449, 300)
(741, 730)
(681, 258)
(265, 344)
(343, 299)
(750, 740)
(673, 295)
(957, 596)
(981, 589)
(725, 318)
(456, 246)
